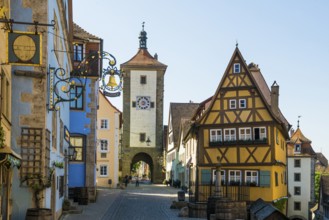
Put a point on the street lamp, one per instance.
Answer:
(72, 153)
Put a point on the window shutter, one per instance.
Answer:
(264, 178)
(205, 177)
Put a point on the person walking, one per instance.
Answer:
(126, 180)
(137, 181)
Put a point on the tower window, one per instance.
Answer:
(297, 148)
(142, 137)
(236, 68)
(143, 79)
(297, 163)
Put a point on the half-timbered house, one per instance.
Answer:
(244, 133)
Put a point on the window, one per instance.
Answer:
(265, 178)
(276, 179)
(236, 68)
(297, 206)
(297, 177)
(260, 133)
(77, 142)
(205, 177)
(77, 103)
(104, 145)
(142, 137)
(297, 163)
(297, 190)
(298, 148)
(215, 135)
(251, 177)
(229, 134)
(104, 123)
(61, 186)
(232, 104)
(103, 170)
(245, 134)
(103, 155)
(143, 79)
(134, 104)
(242, 103)
(77, 52)
(222, 177)
(235, 177)
(5, 99)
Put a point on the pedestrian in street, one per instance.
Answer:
(137, 181)
(126, 180)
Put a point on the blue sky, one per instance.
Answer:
(289, 40)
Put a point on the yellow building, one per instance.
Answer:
(108, 148)
(8, 158)
(244, 133)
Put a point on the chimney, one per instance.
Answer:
(275, 98)
(156, 56)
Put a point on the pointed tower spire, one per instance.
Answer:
(142, 38)
(298, 121)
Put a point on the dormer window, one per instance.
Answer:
(298, 148)
(236, 68)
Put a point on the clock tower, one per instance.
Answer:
(142, 135)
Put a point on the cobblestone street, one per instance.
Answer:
(145, 202)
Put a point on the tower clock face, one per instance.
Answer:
(143, 102)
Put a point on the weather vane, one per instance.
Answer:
(299, 116)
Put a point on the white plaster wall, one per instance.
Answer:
(116, 147)
(143, 121)
(305, 185)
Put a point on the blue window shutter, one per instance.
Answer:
(265, 178)
(205, 177)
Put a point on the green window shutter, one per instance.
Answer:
(205, 177)
(265, 178)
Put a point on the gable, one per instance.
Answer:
(238, 99)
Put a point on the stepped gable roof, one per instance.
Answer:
(144, 58)
(179, 111)
(82, 34)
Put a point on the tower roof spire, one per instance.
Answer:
(142, 38)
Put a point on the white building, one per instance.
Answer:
(301, 173)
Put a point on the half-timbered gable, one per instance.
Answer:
(244, 130)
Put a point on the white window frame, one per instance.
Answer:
(243, 134)
(232, 103)
(235, 177)
(298, 148)
(101, 170)
(242, 103)
(104, 126)
(216, 135)
(222, 172)
(262, 135)
(101, 147)
(237, 68)
(251, 176)
(231, 136)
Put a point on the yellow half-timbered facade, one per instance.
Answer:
(244, 133)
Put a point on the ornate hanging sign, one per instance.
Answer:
(24, 48)
(111, 79)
